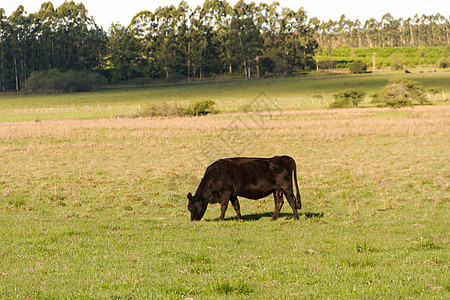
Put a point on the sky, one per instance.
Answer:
(106, 12)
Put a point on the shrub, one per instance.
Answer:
(53, 81)
(401, 92)
(199, 108)
(358, 67)
(163, 109)
(347, 98)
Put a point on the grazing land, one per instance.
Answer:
(98, 208)
(309, 92)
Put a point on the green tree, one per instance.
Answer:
(358, 67)
(401, 92)
(19, 43)
(245, 38)
(203, 46)
(5, 68)
(124, 51)
(347, 98)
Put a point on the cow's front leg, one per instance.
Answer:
(223, 208)
(237, 208)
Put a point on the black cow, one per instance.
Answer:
(252, 178)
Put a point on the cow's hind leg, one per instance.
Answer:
(223, 208)
(291, 199)
(235, 202)
(278, 199)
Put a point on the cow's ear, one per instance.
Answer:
(189, 196)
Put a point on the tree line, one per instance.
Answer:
(214, 39)
(419, 31)
(176, 42)
(65, 38)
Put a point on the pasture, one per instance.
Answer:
(96, 208)
(229, 95)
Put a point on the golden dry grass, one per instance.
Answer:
(67, 156)
(347, 122)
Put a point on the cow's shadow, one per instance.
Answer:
(255, 217)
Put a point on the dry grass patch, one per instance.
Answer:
(108, 160)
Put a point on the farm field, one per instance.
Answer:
(230, 96)
(98, 208)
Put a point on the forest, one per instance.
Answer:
(178, 42)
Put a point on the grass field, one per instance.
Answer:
(230, 96)
(97, 208)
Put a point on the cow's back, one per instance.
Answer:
(255, 178)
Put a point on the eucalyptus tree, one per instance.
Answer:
(443, 29)
(343, 29)
(145, 30)
(216, 16)
(269, 23)
(124, 51)
(45, 22)
(371, 28)
(164, 42)
(203, 45)
(356, 34)
(79, 42)
(298, 42)
(19, 42)
(327, 30)
(4, 47)
(165, 38)
(246, 39)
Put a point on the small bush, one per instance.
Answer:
(54, 81)
(200, 108)
(358, 67)
(163, 109)
(347, 98)
(401, 92)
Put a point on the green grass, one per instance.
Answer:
(289, 93)
(98, 208)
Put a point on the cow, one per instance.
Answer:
(248, 177)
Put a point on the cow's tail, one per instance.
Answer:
(298, 203)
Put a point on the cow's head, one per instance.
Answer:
(197, 208)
